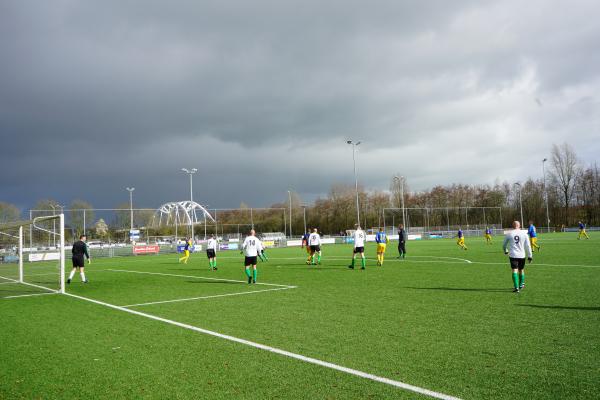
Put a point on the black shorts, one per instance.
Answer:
(210, 253)
(517, 263)
(359, 250)
(78, 262)
(250, 260)
(315, 248)
(402, 247)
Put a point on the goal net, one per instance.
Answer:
(32, 257)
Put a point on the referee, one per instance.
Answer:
(79, 250)
(401, 241)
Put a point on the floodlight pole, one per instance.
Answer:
(517, 184)
(354, 145)
(400, 180)
(304, 217)
(290, 197)
(191, 172)
(546, 195)
(130, 190)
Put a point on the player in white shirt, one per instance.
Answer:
(250, 248)
(359, 247)
(261, 254)
(211, 253)
(516, 245)
(314, 241)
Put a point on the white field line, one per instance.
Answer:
(30, 284)
(28, 295)
(9, 283)
(541, 264)
(198, 277)
(275, 350)
(464, 260)
(208, 297)
(458, 260)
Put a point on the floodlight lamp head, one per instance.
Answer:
(349, 141)
(359, 142)
(544, 160)
(194, 170)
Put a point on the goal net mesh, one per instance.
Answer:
(32, 257)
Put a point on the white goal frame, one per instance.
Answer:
(61, 247)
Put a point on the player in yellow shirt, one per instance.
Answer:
(381, 239)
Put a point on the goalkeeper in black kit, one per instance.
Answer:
(79, 250)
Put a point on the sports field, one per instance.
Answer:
(443, 320)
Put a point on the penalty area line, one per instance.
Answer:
(198, 277)
(208, 297)
(28, 295)
(310, 360)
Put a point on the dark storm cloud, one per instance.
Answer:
(100, 95)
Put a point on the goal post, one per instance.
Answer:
(38, 268)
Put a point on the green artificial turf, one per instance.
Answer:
(444, 319)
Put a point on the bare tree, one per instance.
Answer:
(565, 170)
(9, 213)
(82, 215)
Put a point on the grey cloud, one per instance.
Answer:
(107, 94)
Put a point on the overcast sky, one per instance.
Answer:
(261, 96)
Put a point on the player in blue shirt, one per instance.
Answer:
(186, 251)
(488, 235)
(461, 239)
(305, 238)
(381, 239)
(582, 231)
(533, 237)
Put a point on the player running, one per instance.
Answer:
(461, 239)
(381, 239)
(250, 248)
(79, 250)
(359, 247)
(305, 245)
(314, 241)
(261, 254)
(516, 245)
(582, 231)
(488, 235)
(211, 253)
(533, 237)
(186, 251)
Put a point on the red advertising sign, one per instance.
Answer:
(146, 249)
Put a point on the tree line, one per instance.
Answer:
(570, 193)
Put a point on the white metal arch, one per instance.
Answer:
(182, 213)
